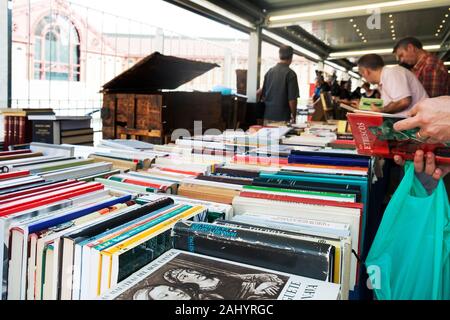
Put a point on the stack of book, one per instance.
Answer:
(72, 239)
(95, 227)
(62, 130)
(18, 127)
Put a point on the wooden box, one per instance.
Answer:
(135, 107)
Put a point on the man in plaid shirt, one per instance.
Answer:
(428, 68)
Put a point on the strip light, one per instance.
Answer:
(334, 65)
(376, 51)
(345, 9)
(293, 45)
(212, 7)
(447, 63)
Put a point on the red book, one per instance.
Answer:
(191, 173)
(21, 129)
(140, 183)
(37, 193)
(35, 202)
(12, 175)
(318, 202)
(16, 124)
(46, 188)
(7, 133)
(268, 161)
(375, 136)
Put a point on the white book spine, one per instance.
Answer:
(77, 270)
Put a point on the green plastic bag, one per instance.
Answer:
(409, 258)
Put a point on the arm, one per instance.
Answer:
(293, 94)
(293, 107)
(435, 78)
(259, 94)
(396, 106)
(432, 116)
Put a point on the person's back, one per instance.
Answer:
(280, 90)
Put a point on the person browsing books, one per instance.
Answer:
(427, 67)
(399, 88)
(280, 91)
(369, 93)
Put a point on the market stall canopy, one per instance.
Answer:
(337, 30)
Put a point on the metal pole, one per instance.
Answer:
(5, 53)
(254, 64)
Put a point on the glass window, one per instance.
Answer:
(57, 47)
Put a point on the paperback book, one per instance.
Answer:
(375, 136)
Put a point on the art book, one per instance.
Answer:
(179, 275)
(375, 136)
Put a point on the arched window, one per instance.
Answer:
(56, 49)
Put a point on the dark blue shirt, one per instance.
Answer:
(280, 87)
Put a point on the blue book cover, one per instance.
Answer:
(334, 161)
(67, 217)
(106, 233)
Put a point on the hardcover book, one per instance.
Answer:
(179, 275)
(273, 250)
(375, 136)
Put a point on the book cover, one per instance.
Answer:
(278, 251)
(366, 103)
(375, 136)
(44, 132)
(181, 275)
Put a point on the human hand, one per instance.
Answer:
(374, 108)
(426, 163)
(293, 120)
(355, 104)
(432, 116)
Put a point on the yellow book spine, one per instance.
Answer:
(142, 237)
(139, 238)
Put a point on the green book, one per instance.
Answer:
(307, 193)
(366, 103)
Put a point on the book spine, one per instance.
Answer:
(21, 130)
(11, 131)
(6, 133)
(275, 197)
(301, 192)
(44, 201)
(271, 251)
(15, 133)
(139, 183)
(140, 229)
(120, 220)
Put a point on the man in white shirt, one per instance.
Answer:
(400, 89)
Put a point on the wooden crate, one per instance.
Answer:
(154, 117)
